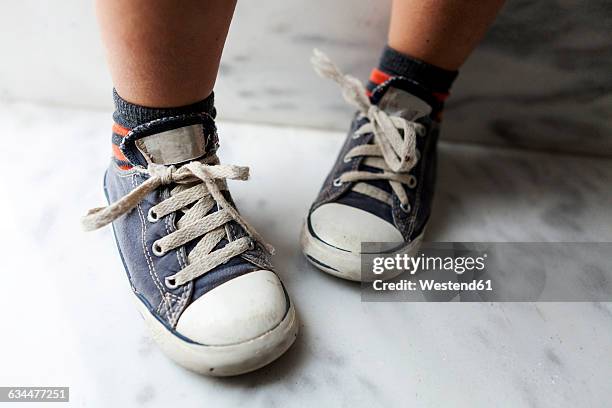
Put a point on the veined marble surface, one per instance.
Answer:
(68, 320)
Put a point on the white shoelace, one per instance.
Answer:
(199, 185)
(392, 152)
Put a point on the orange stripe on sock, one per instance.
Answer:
(378, 77)
(441, 96)
(118, 153)
(120, 130)
(125, 167)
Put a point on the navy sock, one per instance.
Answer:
(128, 115)
(434, 80)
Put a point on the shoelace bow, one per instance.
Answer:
(392, 152)
(199, 184)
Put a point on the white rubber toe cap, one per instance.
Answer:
(237, 311)
(346, 227)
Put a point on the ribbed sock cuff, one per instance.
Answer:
(131, 115)
(433, 78)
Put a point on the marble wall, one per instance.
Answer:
(541, 79)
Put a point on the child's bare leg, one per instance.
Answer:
(440, 32)
(164, 53)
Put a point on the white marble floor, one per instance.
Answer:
(67, 319)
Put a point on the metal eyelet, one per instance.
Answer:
(152, 215)
(413, 182)
(347, 159)
(251, 245)
(421, 131)
(337, 182)
(356, 135)
(157, 249)
(405, 208)
(170, 282)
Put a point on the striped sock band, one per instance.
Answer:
(119, 132)
(128, 115)
(436, 81)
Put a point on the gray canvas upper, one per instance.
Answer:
(135, 233)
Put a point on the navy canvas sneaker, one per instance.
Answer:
(381, 187)
(200, 273)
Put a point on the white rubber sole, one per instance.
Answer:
(233, 359)
(340, 263)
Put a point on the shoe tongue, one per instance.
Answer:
(401, 97)
(171, 141)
